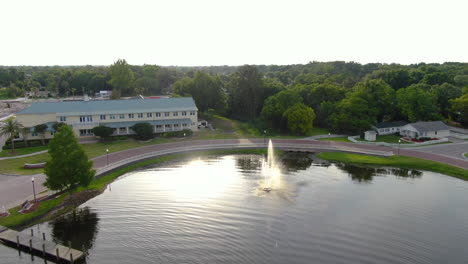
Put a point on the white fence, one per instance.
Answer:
(396, 145)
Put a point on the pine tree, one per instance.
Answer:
(68, 166)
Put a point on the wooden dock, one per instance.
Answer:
(39, 246)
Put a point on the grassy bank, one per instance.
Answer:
(21, 151)
(16, 219)
(396, 161)
(338, 139)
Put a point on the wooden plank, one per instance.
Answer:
(50, 247)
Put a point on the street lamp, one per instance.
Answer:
(107, 151)
(34, 189)
(329, 134)
(264, 137)
(399, 141)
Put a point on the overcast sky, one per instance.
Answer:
(203, 32)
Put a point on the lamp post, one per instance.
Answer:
(329, 134)
(399, 141)
(107, 151)
(34, 189)
(264, 137)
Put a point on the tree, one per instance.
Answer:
(300, 118)
(443, 94)
(121, 78)
(68, 166)
(24, 132)
(103, 131)
(353, 115)
(206, 90)
(41, 129)
(10, 128)
(57, 125)
(460, 108)
(143, 131)
(148, 82)
(379, 95)
(275, 106)
(417, 105)
(246, 93)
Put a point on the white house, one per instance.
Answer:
(431, 129)
(386, 128)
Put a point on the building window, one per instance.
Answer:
(84, 119)
(149, 114)
(158, 127)
(167, 126)
(86, 132)
(166, 114)
(140, 115)
(131, 116)
(103, 117)
(158, 114)
(436, 132)
(184, 113)
(112, 116)
(175, 114)
(184, 125)
(122, 130)
(192, 113)
(34, 134)
(51, 133)
(63, 119)
(122, 116)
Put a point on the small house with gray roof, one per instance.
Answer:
(164, 114)
(387, 128)
(431, 129)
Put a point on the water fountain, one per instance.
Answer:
(270, 170)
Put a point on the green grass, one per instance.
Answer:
(466, 155)
(18, 219)
(22, 151)
(3, 93)
(338, 139)
(396, 161)
(387, 138)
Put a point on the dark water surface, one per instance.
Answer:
(212, 211)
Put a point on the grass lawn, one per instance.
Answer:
(339, 139)
(21, 151)
(387, 139)
(396, 161)
(16, 219)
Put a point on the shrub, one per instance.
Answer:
(143, 131)
(18, 144)
(103, 131)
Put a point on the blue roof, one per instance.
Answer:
(112, 106)
(152, 122)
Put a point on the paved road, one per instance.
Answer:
(15, 189)
(454, 150)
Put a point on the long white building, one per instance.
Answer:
(164, 114)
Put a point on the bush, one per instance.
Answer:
(103, 131)
(20, 144)
(424, 138)
(143, 131)
(178, 134)
(120, 138)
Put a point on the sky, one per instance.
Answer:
(224, 32)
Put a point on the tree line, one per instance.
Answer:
(343, 96)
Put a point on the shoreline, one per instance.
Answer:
(63, 202)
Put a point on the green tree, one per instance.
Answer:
(417, 105)
(148, 82)
(68, 166)
(41, 130)
(121, 79)
(443, 94)
(9, 129)
(103, 132)
(460, 108)
(300, 118)
(206, 90)
(246, 92)
(275, 106)
(379, 95)
(143, 131)
(24, 132)
(353, 115)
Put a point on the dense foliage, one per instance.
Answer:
(104, 132)
(345, 96)
(143, 131)
(68, 166)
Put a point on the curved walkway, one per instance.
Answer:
(26, 155)
(15, 189)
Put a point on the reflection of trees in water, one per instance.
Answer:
(80, 227)
(248, 163)
(366, 174)
(296, 161)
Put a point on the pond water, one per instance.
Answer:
(211, 210)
